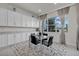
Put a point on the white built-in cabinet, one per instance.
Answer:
(15, 19)
(10, 18)
(12, 38)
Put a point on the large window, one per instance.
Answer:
(54, 24)
(51, 24)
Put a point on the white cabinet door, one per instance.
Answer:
(28, 36)
(4, 40)
(18, 37)
(3, 17)
(34, 22)
(29, 21)
(24, 21)
(24, 36)
(18, 19)
(11, 39)
(11, 18)
(21, 38)
(37, 22)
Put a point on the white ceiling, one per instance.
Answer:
(45, 7)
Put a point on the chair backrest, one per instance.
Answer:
(39, 33)
(33, 38)
(50, 40)
(45, 34)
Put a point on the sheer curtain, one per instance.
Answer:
(77, 41)
(42, 18)
(62, 12)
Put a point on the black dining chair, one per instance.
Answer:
(34, 40)
(47, 42)
(45, 34)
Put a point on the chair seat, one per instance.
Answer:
(47, 42)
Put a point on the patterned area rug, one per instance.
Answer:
(23, 49)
